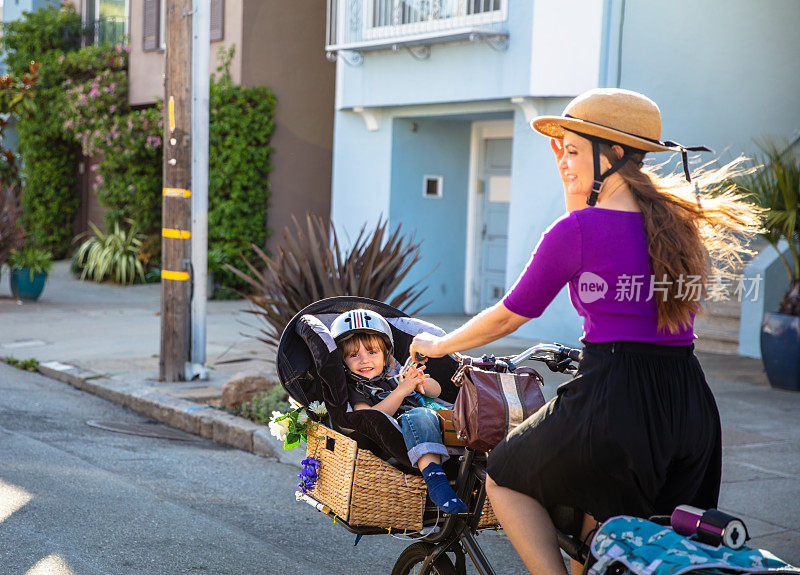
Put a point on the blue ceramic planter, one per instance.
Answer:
(780, 350)
(23, 287)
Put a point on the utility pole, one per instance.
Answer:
(200, 94)
(176, 203)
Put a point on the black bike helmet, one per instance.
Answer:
(357, 321)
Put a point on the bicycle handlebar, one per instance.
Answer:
(558, 351)
(560, 359)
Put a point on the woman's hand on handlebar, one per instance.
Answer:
(425, 344)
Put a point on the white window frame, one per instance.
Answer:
(439, 186)
(96, 4)
(370, 32)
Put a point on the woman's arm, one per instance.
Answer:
(489, 325)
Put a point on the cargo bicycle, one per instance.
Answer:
(364, 484)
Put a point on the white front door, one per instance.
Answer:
(494, 191)
(487, 213)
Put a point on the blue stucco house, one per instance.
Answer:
(434, 97)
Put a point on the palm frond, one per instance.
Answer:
(311, 265)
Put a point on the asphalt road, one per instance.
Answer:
(77, 500)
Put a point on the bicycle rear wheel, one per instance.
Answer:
(410, 561)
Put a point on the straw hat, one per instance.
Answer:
(619, 116)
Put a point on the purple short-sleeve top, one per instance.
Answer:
(602, 255)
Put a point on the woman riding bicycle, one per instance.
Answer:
(637, 431)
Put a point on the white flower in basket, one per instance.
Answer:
(318, 408)
(279, 428)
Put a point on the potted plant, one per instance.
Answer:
(775, 186)
(29, 269)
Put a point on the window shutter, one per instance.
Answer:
(150, 40)
(217, 20)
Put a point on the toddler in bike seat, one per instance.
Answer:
(375, 381)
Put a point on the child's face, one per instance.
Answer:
(365, 362)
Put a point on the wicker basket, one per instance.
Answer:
(361, 488)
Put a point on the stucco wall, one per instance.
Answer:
(146, 73)
(361, 174)
(422, 147)
(721, 72)
(283, 49)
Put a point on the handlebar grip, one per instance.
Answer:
(418, 357)
(575, 354)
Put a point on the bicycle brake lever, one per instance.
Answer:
(558, 365)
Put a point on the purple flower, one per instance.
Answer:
(308, 476)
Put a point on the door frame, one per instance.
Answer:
(481, 131)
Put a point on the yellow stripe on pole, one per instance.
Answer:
(177, 193)
(177, 234)
(171, 108)
(178, 276)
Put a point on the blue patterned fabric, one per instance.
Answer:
(646, 548)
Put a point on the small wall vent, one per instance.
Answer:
(432, 186)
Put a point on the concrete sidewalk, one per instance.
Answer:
(105, 339)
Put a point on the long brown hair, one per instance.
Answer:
(687, 236)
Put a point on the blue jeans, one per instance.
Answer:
(422, 433)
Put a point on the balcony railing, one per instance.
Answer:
(360, 25)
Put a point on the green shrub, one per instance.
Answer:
(260, 408)
(775, 186)
(82, 107)
(111, 256)
(31, 364)
(50, 196)
(241, 126)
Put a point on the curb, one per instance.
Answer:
(188, 416)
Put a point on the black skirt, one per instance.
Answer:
(636, 432)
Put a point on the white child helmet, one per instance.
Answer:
(362, 321)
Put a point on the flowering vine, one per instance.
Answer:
(124, 144)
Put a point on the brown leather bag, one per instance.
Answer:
(489, 405)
